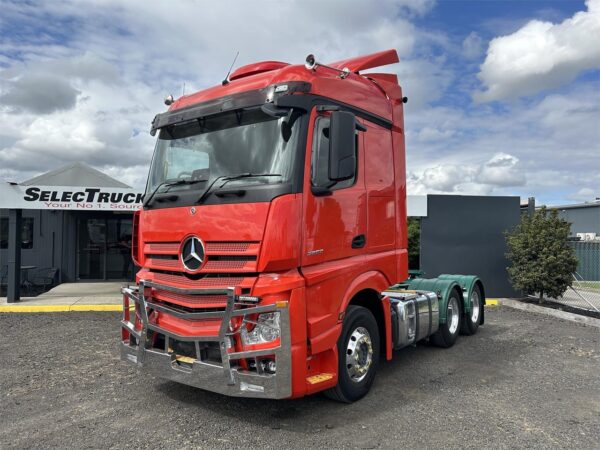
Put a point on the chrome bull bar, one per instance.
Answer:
(227, 377)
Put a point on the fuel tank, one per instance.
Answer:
(415, 316)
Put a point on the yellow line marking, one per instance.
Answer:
(78, 307)
(57, 308)
(491, 302)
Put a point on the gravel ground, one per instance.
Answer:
(524, 380)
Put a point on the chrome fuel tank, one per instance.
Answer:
(415, 316)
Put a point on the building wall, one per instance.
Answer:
(54, 241)
(48, 249)
(583, 220)
(465, 235)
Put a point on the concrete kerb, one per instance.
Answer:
(100, 296)
(571, 317)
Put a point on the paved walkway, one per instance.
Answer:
(71, 297)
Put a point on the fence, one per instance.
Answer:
(585, 292)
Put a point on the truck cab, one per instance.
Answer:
(274, 214)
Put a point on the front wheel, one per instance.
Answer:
(448, 332)
(358, 355)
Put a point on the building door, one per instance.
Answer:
(104, 248)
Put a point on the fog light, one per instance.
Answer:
(268, 365)
(271, 366)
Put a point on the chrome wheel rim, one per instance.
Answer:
(453, 315)
(475, 307)
(359, 354)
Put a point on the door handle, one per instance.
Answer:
(359, 241)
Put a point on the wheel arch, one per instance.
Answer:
(442, 287)
(365, 291)
(468, 283)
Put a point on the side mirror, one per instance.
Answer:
(342, 146)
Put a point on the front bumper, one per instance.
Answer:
(227, 377)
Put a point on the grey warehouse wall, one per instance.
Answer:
(583, 220)
(465, 235)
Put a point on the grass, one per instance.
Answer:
(592, 285)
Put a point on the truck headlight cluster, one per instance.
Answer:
(267, 329)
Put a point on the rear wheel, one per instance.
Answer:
(448, 332)
(470, 322)
(358, 355)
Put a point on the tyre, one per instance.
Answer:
(358, 355)
(470, 322)
(448, 332)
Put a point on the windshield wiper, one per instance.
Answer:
(169, 183)
(228, 178)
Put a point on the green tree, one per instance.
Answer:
(541, 260)
(414, 242)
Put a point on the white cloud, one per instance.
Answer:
(472, 46)
(427, 134)
(501, 170)
(585, 195)
(541, 55)
(546, 148)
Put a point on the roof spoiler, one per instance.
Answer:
(368, 61)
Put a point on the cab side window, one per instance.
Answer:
(320, 157)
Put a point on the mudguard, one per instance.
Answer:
(467, 283)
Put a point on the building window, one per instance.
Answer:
(26, 232)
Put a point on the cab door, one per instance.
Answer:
(335, 224)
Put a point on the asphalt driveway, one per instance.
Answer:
(524, 380)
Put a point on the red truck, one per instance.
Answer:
(273, 236)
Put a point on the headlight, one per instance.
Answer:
(266, 330)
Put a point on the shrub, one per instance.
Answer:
(542, 262)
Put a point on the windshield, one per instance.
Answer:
(190, 156)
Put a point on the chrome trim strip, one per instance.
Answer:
(183, 314)
(178, 290)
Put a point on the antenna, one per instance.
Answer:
(225, 82)
(183, 89)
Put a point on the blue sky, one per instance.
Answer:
(503, 95)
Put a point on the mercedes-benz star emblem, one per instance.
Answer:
(192, 253)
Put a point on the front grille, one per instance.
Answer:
(221, 256)
(162, 247)
(222, 246)
(224, 264)
(191, 301)
(163, 263)
(180, 280)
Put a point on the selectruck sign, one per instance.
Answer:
(69, 197)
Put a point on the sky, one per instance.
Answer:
(503, 96)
